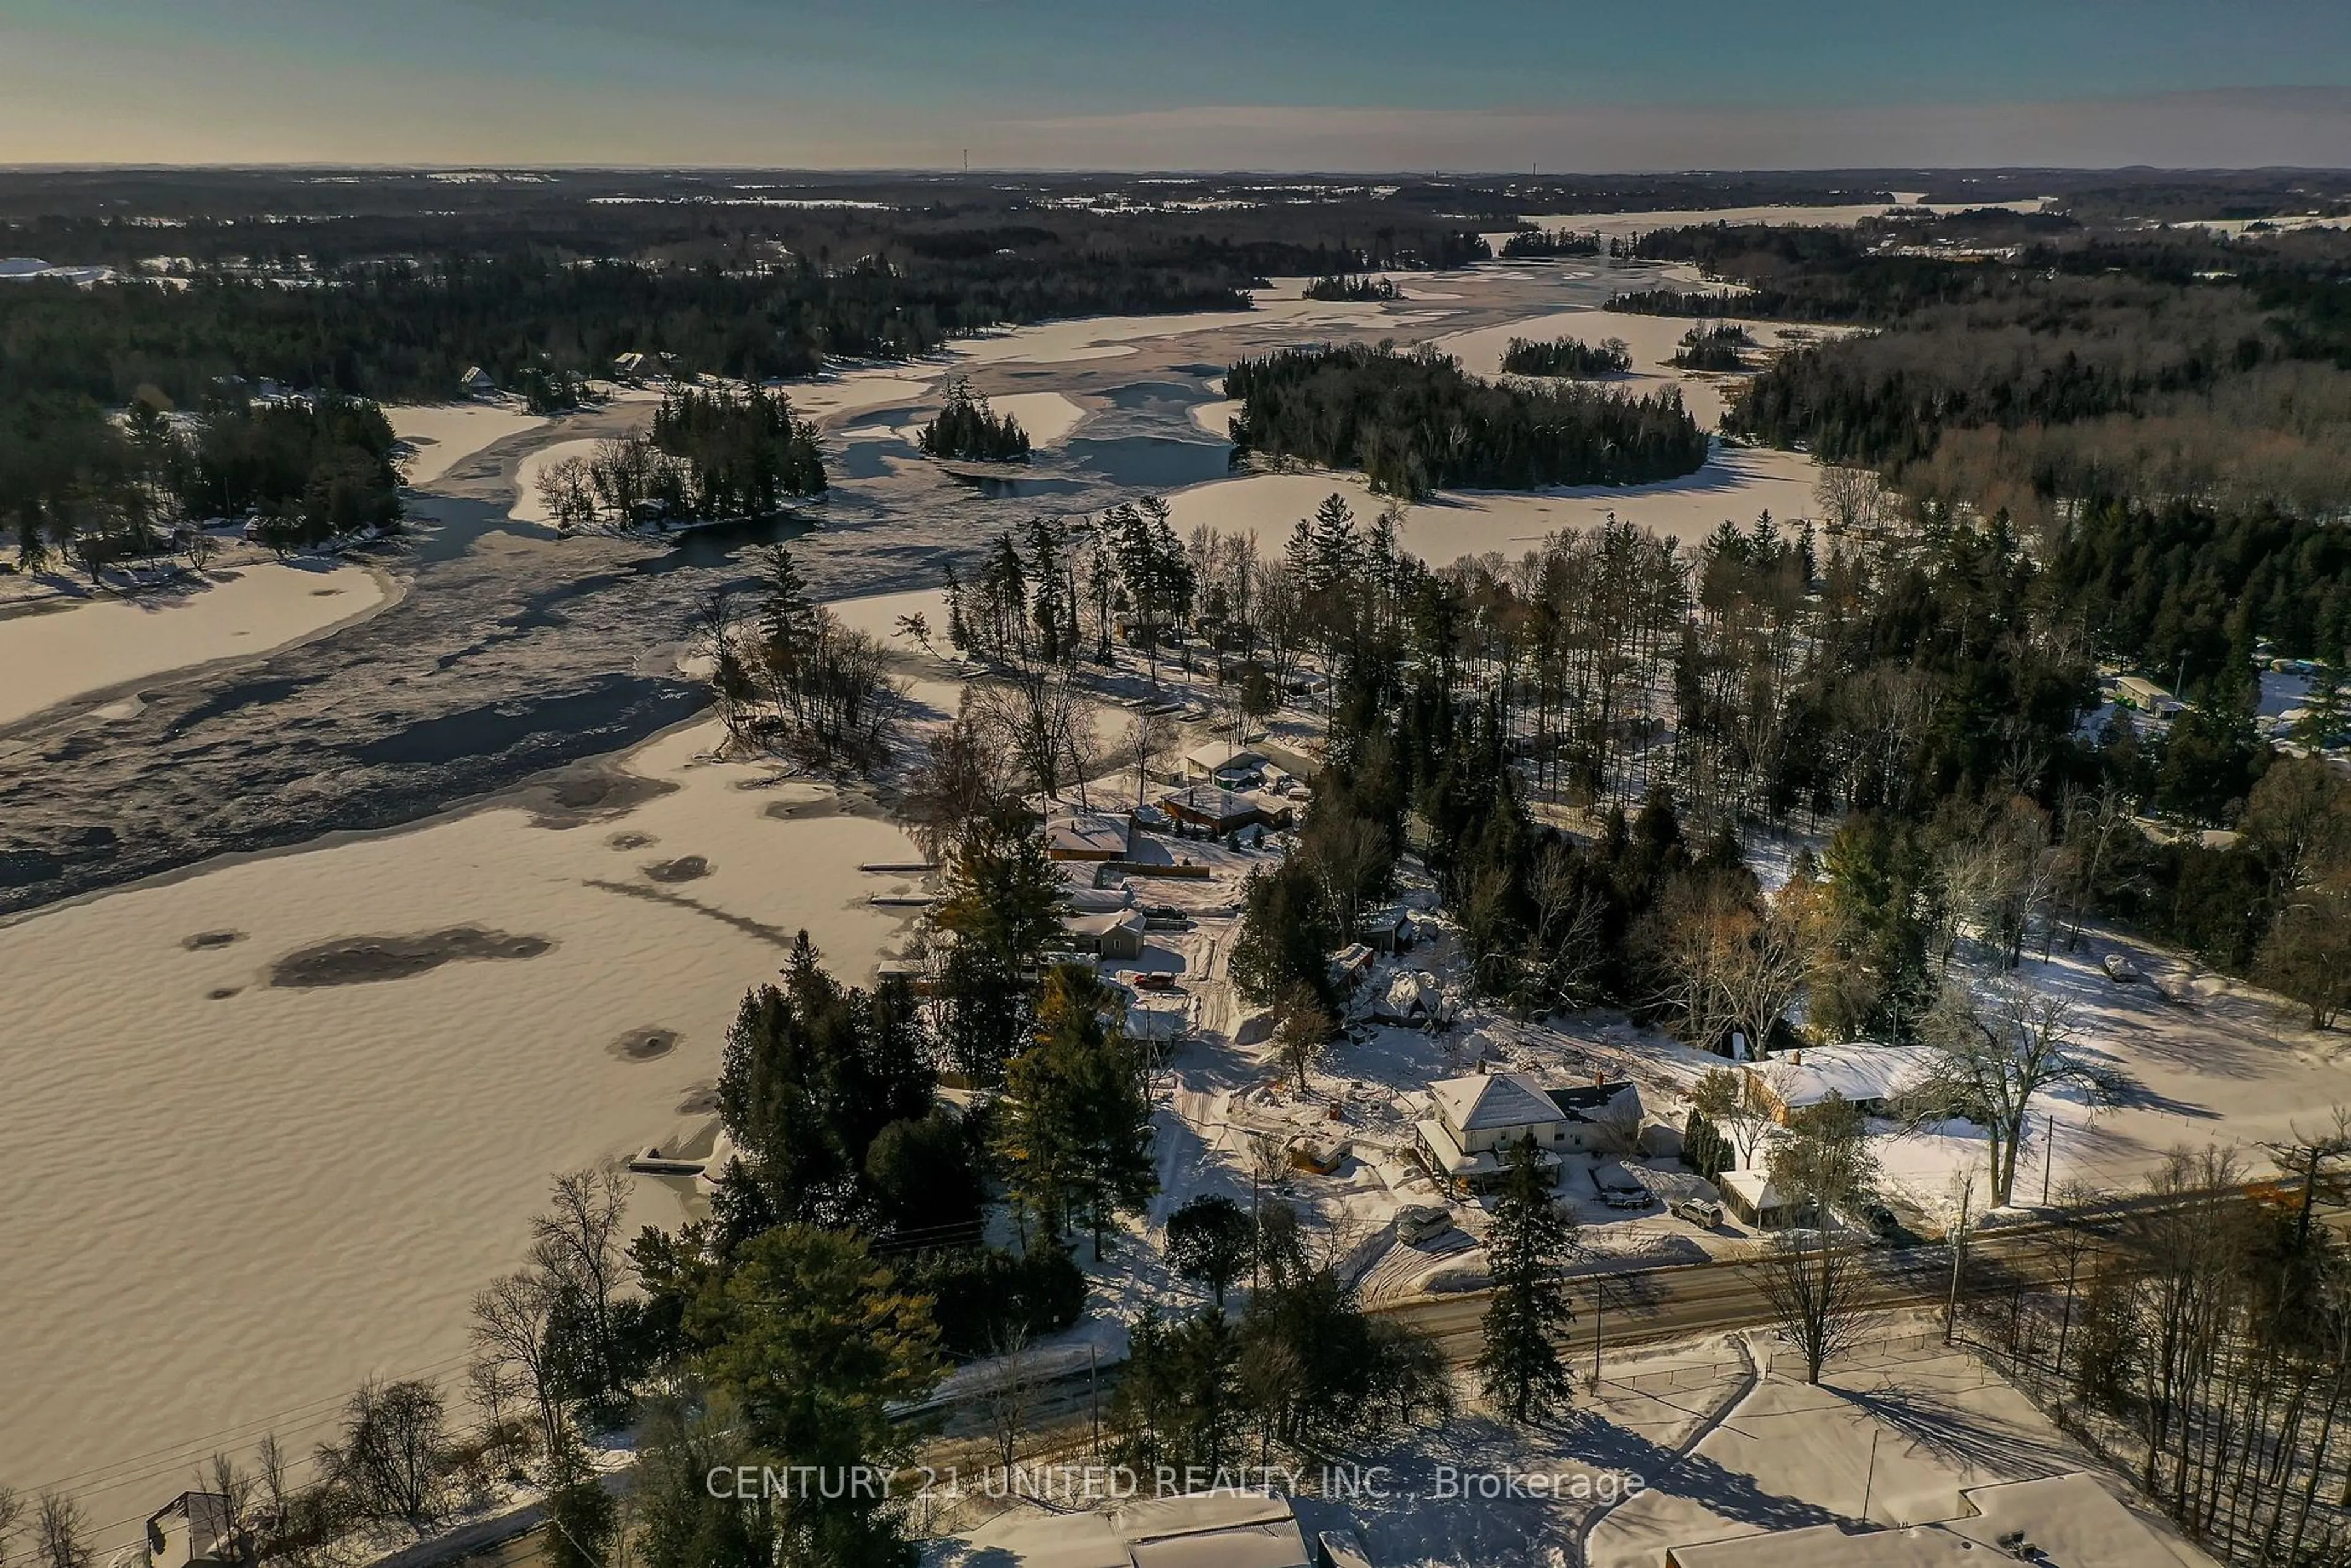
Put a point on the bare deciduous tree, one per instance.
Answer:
(392, 1454)
(577, 1243)
(1999, 1043)
(1727, 1098)
(510, 1323)
(61, 1534)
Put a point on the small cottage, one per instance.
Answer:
(476, 382)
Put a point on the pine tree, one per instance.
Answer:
(1520, 1369)
(1076, 1123)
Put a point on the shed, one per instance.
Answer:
(1387, 930)
(193, 1528)
(1751, 1196)
(1351, 966)
(476, 382)
(634, 367)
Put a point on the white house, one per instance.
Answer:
(1872, 1078)
(1481, 1119)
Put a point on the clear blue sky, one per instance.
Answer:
(1185, 83)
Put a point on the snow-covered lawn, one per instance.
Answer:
(1895, 1432)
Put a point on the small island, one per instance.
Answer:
(1570, 357)
(1414, 422)
(967, 428)
(1349, 290)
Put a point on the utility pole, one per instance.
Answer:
(1093, 1398)
(1599, 1315)
(1958, 1259)
(2048, 1155)
(1870, 1478)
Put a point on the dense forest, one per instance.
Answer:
(1414, 422)
(2164, 416)
(1566, 357)
(99, 491)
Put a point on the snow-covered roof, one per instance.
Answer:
(1088, 832)
(1209, 800)
(1753, 1188)
(1271, 1545)
(1216, 756)
(1154, 1025)
(1492, 1100)
(1859, 1071)
(1103, 924)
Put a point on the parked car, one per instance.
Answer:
(1881, 1221)
(1698, 1211)
(1417, 1222)
(1626, 1198)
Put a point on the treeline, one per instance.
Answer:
(2164, 419)
(1566, 357)
(408, 332)
(97, 490)
(1544, 245)
(2200, 1337)
(1414, 422)
(709, 453)
(1351, 289)
(967, 428)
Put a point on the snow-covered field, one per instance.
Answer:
(275, 1121)
(84, 645)
(1736, 484)
(445, 434)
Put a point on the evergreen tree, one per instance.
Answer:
(1520, 1368)
(814, 1344)
(1208, 1240)
(1076, 1122)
